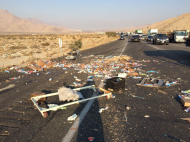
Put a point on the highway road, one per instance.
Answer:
(20, 121)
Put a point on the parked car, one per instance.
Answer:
(160, 39)
(122, 37)
(149, 38)
(135, 38)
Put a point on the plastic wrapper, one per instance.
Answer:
(68, 94)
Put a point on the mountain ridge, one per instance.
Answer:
(14, 24)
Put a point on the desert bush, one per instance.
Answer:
(111, 34)
(17, 47)
(26, 54)
(45, 44)
(76, 45)
(2, 69)
(10, 57)
(34, 46)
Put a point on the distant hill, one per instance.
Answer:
(35, 20)
(10, 23)
(177, 23)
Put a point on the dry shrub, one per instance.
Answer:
(35, 46)
(17, 47)
(25, 54)
(10, 57)
(45, 44)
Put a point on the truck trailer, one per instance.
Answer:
(152, 32)
(138, 32)
(178, 35)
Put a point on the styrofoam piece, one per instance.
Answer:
(123, 75)
(72, 117)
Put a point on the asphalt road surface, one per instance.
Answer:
(20, 121)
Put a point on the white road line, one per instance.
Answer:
(155, 47)
(68, 137)
(124, 48)
(152, 45)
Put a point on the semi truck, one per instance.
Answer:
(178, 35)
(152, 32)
(138, 32)
(128, 33)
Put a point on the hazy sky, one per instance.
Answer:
(97, 14)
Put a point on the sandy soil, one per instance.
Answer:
(21, 49)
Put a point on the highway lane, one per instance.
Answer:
(17, 113)
(174, 52)
(109, 126)
(114, 48)
(168, 63)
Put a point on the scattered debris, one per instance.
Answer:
(125, 116)
(162, 92)
(179, 140)
(115, 83)
(152, 82)
(71, 57)
(72, 117)
(184, 100)
(101, 109)
(188, 119)
(90, 78)
(36, 94)
(146, 116)
(136, 77)
(128, 108)
(91, 138)
(187, 109)
(8, 87)
(152, 72)
(69, 94)
(52, 106)
(122, 75)
(136, 96)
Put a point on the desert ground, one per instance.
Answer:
(22, 49)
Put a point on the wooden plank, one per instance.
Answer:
(188, 119)
(185, 102)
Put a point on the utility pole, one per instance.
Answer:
(60, 45)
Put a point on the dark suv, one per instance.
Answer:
(135, 38)
(160, 39)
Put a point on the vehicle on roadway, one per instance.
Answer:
(122, 37)
(144, 37)
(149, 38)
(188, 42)
(160, 39)
(178, 35)
(135, 38)
(139, 32)
(152, 32)
(128, 33)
